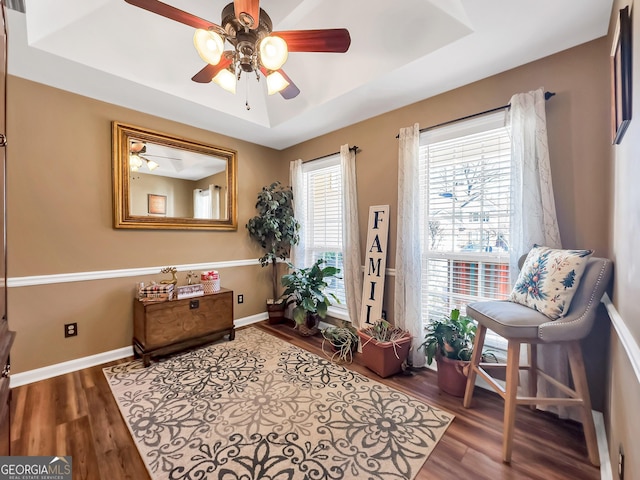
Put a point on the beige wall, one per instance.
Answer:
(60, 222)
(623, 421)
(578, 126)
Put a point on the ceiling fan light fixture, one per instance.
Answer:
(276, 83)
(226, 79)
(273, 52)
(209, 45)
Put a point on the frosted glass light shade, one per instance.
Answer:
(226, 79)
(209, 45)
(152, 165)
(135, 161)
(276, 83)
(273, 52)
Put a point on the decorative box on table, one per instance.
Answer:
(188, 291)
(158, 291)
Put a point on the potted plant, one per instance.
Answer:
(305, 288)
(343, 341)
(384, 347)
(276, 229)
(450, 341)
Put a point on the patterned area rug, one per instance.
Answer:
(261, 408)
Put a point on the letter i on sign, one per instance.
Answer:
(375, 264)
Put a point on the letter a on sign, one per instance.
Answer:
(375, 264)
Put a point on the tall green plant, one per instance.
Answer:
(274, 227)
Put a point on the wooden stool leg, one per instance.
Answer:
(576, 363)
(533, 372)
(511, 391)
(475, 360)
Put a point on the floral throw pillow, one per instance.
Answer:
(549, 279)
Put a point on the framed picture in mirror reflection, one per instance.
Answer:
(157, 204)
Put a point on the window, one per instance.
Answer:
(465, 196)
(323, 218)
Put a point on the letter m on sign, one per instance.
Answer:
(375, 264)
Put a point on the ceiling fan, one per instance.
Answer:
(256, 48)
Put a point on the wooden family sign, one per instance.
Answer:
(375, 264)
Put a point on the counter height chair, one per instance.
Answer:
(522, 324)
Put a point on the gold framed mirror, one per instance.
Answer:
(166, 182)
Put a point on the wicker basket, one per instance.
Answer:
(305, 331)
(309, 327)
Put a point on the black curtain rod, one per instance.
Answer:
(355, 149)
(547, 96)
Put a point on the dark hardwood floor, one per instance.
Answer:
(75, 414)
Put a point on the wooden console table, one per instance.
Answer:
(175, 325)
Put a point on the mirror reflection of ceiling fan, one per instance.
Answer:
(168, 161)
(256, 48)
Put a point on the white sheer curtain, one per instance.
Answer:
(202, 204)
(206, 202)
(351, 258)
(296, 179)
(407, 303)
(535, 218)
(532, 196)
(215, 201)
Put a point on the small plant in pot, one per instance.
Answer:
(305, 288)
(450, 341)
(276, 229)
(343, 341)
(384, 347)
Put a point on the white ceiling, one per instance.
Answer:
(401, 52)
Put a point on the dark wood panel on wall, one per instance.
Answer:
(6, 336)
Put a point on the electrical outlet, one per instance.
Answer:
(70, 330)
(621, 463)
(240, 298)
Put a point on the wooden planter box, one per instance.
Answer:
(381, 356)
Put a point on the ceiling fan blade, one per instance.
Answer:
(159, 8)
(207, 73)
(291, 91)
(248, 12)
(333, 40)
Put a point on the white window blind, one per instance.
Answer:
(323, 225)
(465, 195)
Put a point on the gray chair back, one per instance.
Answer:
(582, 311)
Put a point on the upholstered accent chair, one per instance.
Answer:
(520, 324)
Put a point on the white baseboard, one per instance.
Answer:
(603, 446)
(243, 322)
(30, 376)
